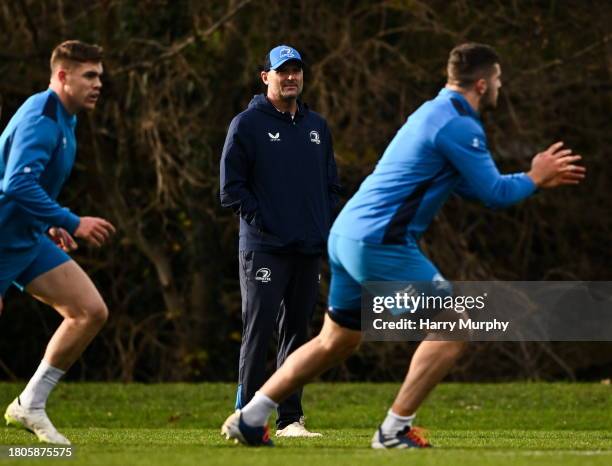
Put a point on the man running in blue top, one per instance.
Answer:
(37, 151)
(441, 149)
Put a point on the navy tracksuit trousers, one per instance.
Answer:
(279, 293)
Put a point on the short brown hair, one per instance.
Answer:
(76, 51)
(469, 62)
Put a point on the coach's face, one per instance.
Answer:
(491, 90)
(82, 83)
(286, 82)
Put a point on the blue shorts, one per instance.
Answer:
(20, 268)
(354, 262)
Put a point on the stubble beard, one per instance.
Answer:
(488, 101)
(289, 97)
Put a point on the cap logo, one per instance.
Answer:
(286, 52)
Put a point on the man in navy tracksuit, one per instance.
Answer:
(279, 175)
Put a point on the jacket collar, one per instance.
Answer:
(459, 100)
(261, 103)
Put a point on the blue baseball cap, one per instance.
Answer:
(282, 54)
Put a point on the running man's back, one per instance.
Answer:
(441, 147)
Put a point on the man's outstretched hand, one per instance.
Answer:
(556, 167)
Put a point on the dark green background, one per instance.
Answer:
(176, 73)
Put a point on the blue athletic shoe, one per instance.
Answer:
(235, 428)
(409, 437)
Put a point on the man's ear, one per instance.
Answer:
(264, 77)
(61, 76)
(481, 86)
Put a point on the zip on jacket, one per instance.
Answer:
(279, 175)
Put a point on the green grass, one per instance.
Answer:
(498, 424)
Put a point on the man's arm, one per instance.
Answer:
(334, 187)
(31, 150)
(463, 142)
(235, 168)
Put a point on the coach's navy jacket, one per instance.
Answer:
(279, 175)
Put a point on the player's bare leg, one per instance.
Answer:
(431, 362)
(330, 347)
(69, 290)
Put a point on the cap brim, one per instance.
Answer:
(287, 60)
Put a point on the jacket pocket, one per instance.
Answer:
(246, 262)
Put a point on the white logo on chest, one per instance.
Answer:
(314, 137)
(274, 137)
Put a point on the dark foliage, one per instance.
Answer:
(176, 73)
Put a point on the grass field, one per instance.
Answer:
(176, 424)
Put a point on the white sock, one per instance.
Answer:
(36, 392)
(393, 423)
(258, 410)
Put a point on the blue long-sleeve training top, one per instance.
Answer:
(279, 174)
(37, 151)
(441, 148)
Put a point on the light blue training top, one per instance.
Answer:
(37, 151)
(441, 148)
